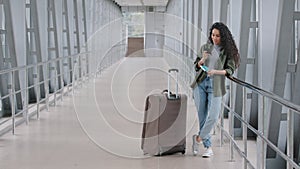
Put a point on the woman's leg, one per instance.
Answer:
(200, 99)
(214, 108)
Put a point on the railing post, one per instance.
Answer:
(69, 72)
(55, 85)
(73, 59)
(264, 130)
(290, 137)
(244, 116)
(82, 69)
(61, 79)
(110, 58)
(231, 122)
(12, 101)
(37, 92)
(26, 97)
(222, 122)
(46, 84)
(261, 149)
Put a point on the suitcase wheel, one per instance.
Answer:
(183, 152)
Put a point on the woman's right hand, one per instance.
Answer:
(203, 59)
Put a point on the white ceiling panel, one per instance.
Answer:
(155, 2)
(141, 2)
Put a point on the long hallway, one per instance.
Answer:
(99, 125)
(74, 76)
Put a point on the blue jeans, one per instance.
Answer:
(208, 108)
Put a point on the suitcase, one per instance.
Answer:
(164, 128)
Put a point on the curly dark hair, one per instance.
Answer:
(227, 41)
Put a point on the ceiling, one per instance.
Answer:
(142, 2)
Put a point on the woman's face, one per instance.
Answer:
(216, 37)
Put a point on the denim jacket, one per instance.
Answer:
(223, 63)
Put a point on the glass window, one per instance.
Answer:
(136, 24)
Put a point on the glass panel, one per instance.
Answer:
(0, 104)
(136, 24)
(296, 43)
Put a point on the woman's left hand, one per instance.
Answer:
(211, 72)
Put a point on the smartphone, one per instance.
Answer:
(204, 68)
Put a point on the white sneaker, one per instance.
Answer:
(208, 153)
(195, 145)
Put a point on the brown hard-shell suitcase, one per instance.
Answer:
(164, 129)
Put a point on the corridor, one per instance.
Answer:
(99, 125)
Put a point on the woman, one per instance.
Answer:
(210, 85)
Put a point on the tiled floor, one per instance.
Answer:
(100, 125)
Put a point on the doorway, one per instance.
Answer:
(135, 33)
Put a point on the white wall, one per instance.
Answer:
(107, 33)
(268, 23)
(18, 9)
(154, 33)
(42, 16)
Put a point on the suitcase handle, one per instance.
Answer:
(166, 91)
(173, 70)
(169, 91)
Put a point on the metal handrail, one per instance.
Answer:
(270, 95)
(46, 65)
(296, 108)
(106, 55)
(39, 64)
(13, 92)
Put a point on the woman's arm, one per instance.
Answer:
(228, 70)
(202, 56)
(199, 57)
(203, 59)
(216, 72)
